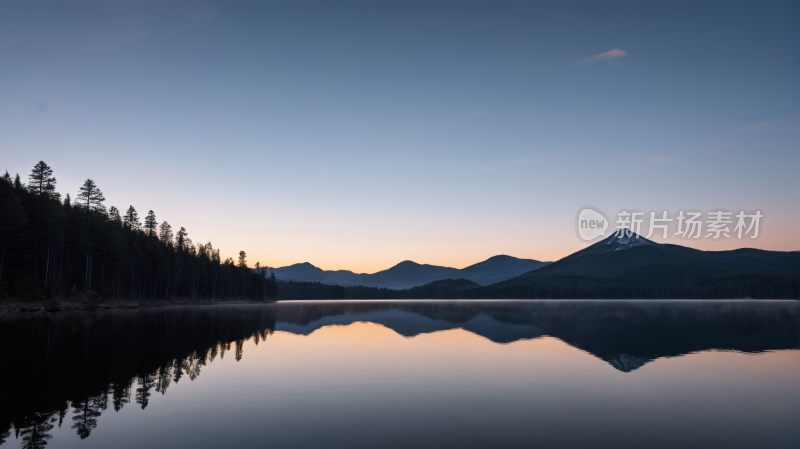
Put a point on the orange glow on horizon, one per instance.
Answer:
(368, 260)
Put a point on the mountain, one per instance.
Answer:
(499, 268)
(305, 272)
(614, 268)
(615, 257)
(452, 284)
(636, 268)
(410, 274)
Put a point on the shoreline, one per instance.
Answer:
(6, 308)
(64, 306)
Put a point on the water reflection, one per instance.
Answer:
(84, 360)
(88, 362)
(625, 334)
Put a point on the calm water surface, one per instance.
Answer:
(405, 374)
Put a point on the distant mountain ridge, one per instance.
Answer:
(409, 274)
(306, 272)
(631, 267)
(635, 267)
(615, 257)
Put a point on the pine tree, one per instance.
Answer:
(93, 199)
(43, 185)
(113, 215)
(131, 222)
(150, 223)
(180, 239)
(242, 259)
(18, 183)
(131, 219)
(42, 182)
(165, 232)
(90, 196)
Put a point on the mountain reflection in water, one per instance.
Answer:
(69, 368)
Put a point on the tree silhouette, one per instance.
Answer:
(86, 414)
(150, 223)
(164, 378)
(147, 383)
(121, 395)
(180, 239)
(191, 366)
(63, 407)
(212, 352)
(113, 215)
(42, 184)
(90, 196)
(165, 233)
(131, 220)
(41, 181)
(43, 238)
(36, 435)
(178, 371)
(239, 350)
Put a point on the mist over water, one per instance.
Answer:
(405, 373)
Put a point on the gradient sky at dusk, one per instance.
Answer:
(355, 135)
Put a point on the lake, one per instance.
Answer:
(562, 374)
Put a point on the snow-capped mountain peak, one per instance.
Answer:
(623, 241)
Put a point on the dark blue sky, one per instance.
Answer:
(358, 134)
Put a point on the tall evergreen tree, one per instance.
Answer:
(165, 233)
(41, 181)
(92, 198)
(131, 222)
(42, 184)
(131, 219)
(113, 215)
(180, 239)
(150, 223)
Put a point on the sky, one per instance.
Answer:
(356, 135)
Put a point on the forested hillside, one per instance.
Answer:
(82, 249)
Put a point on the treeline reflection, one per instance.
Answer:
(82, 364)
(89, 362)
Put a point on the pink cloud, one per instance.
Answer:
(611, 54)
